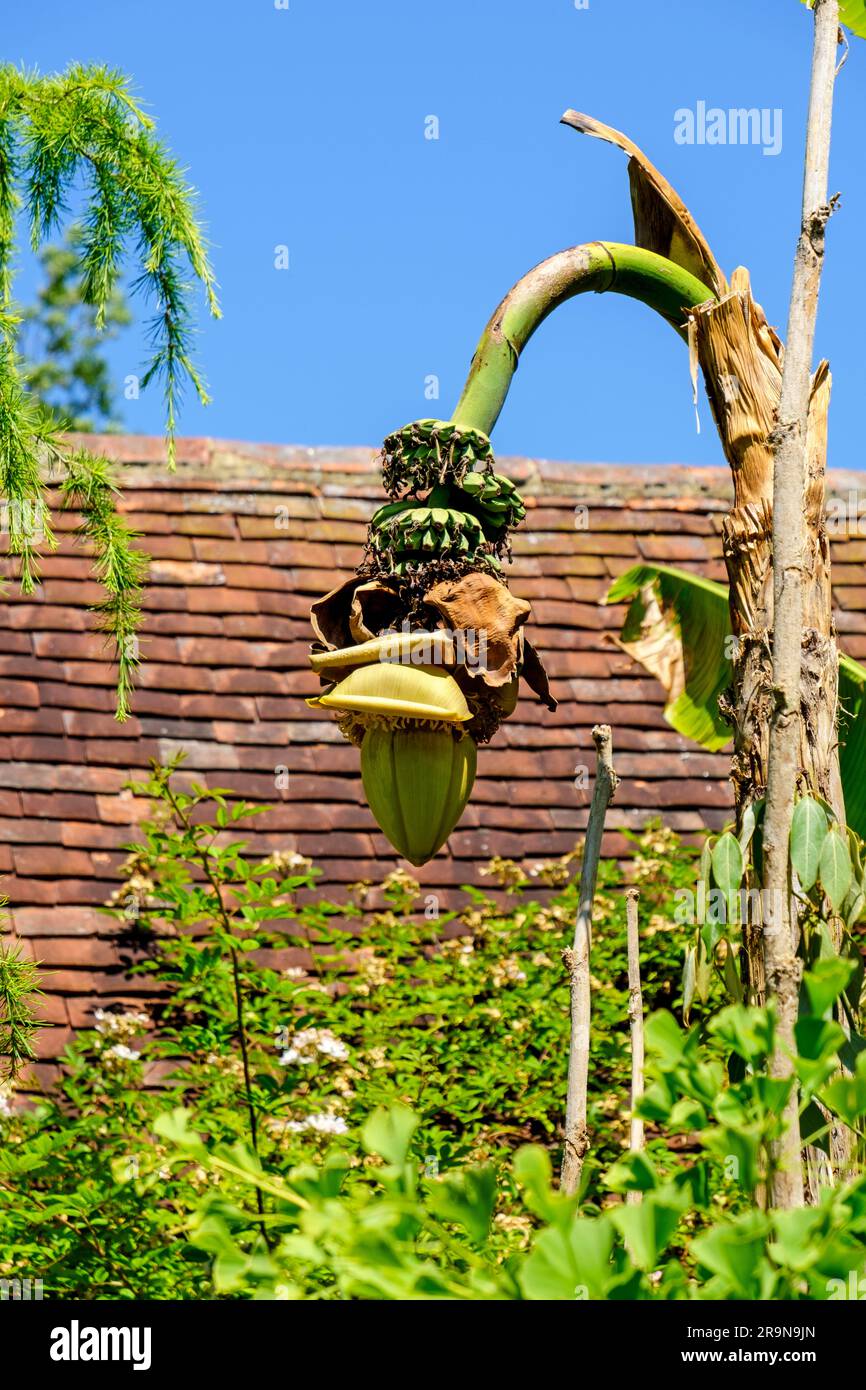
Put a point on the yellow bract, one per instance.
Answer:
(398, 691)
(430, 647)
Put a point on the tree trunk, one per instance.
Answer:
(742, 358)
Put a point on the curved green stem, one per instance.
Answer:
(596, 266)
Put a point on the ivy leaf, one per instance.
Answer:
(808, 832)
(835, 868)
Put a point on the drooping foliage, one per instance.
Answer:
(77, 146)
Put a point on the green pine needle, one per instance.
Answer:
(84, 126)
(82, 129)
(88, 487)
(19, 989)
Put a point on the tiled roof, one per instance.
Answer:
(243, 537)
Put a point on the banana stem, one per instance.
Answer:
(598, 266)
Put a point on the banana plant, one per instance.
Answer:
(677, 626)
(436, 548)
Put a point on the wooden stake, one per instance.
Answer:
(577, 964)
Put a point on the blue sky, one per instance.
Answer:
(305, 127)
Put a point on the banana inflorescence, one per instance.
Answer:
(410, 690)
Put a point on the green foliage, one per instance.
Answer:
(689, 650)
(380, 1118)
(852, 13)
(89, 487)
(79, 139)
(695, 623)
(460, 1017)
(84, 126)
(19, 989)
(62, 349)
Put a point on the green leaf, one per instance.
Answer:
(733, 983)
(813, 1126)
(818, 1039)
(634, 1172)
(467, 1198)
(690, 969)
(176, 1128)
(388, 1133)
(703, 971)
(749, 824)
(852, 13)
(846, 1097)
(825, 982)
(533, 1170)
(749, 1031)
(728, 863)
(666, 1039)
(735, 1252)
(570, 1263)
(808, 833)
(684, 647)
(646, 1229)
(835, 868)
(852, 741)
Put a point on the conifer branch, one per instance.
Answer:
(89, 488)
(19, 988)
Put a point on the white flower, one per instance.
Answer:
(124, 1053)
(5, 1100)
(114, 1025)
(323, 1123)
(310, 1042)
(327, 1124)
(329, 1046)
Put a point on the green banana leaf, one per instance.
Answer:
(852, 13)
(679, 629)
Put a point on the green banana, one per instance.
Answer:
(417, 782)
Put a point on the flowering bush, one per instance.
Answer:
(380, 1117)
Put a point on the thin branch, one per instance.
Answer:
(577, 964)
(635, 1018)
(222, 912)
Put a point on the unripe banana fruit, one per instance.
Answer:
(417, 782)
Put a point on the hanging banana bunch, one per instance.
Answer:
(421, 651)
